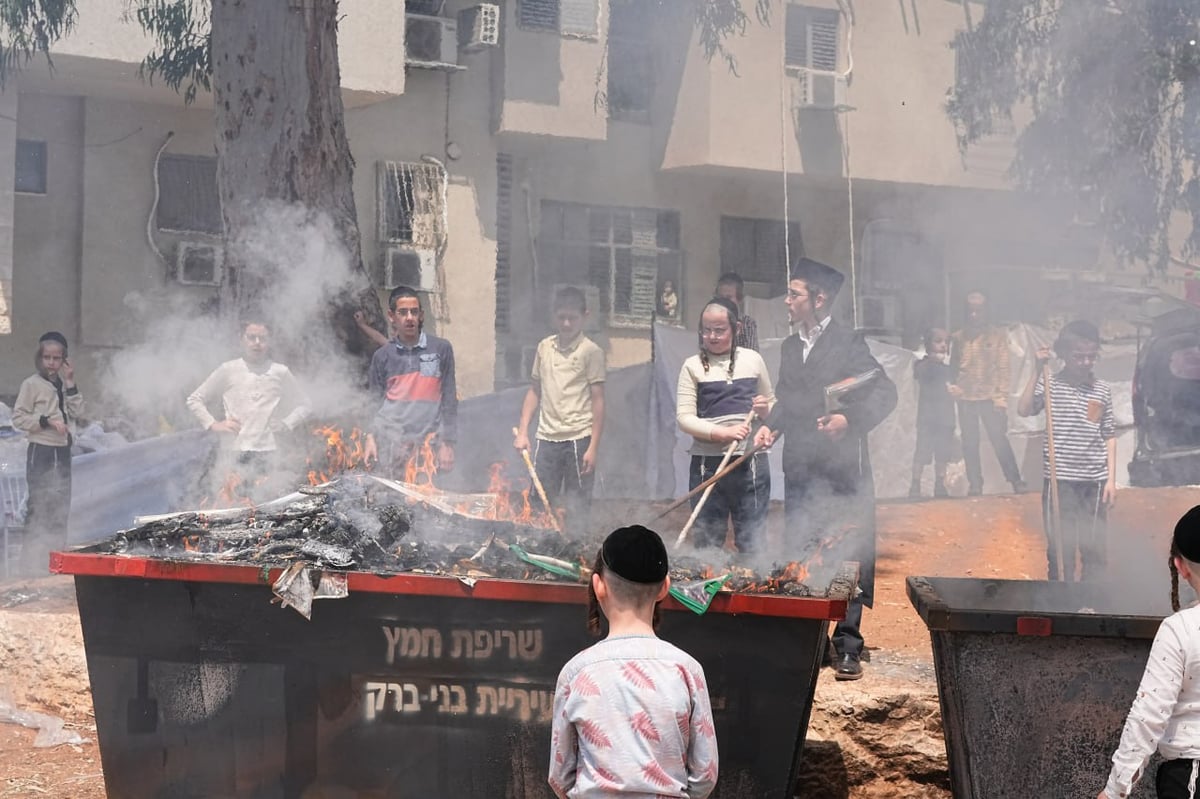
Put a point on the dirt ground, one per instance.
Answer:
(983, 537)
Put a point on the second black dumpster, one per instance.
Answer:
(1034, 680)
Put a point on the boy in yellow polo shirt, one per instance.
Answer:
(568, 385)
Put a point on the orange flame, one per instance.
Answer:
(342, 453)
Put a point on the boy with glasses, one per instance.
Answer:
(1085, 451)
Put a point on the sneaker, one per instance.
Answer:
(849, 668)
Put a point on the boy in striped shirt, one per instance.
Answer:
(1085, 451)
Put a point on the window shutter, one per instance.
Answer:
(504, 174)
(811, 38)
(823, 42)
(538, 14)
(579, 18)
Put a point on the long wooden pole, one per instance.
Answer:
(1066, 573)
(707, 491)
(538, 485)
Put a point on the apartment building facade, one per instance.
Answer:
(504, 150)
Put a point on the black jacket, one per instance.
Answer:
(839, 353)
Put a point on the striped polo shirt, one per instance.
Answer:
(1083, 422)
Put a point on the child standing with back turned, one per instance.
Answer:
(631, 713)
(1166, 711)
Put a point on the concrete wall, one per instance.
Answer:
(371, 51)
(46, 245)
(896, 128)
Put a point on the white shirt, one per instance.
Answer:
(252, 395)
(810, 339)
(1166, 711)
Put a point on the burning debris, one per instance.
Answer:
(367, 523)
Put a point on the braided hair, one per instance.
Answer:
(1174, 576)
(732, 311)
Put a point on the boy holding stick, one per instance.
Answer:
(1079, 455)
(568, 386)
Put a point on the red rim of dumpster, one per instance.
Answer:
(97, 565)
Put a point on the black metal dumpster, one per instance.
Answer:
(412, 686)
(1035, 680)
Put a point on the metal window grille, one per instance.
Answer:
(625, 253)
(188, 198)
(412, 204)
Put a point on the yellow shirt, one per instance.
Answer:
(566, 376)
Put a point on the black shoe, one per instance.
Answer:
(1018, 486)
(849, 668)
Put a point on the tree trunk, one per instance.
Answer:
(284, 168)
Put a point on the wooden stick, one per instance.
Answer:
(704, 497)
(1068, 574)
(538, 485)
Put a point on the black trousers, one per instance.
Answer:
(971, 414)
(48, 475)
(559, 465)
(744, 494)
(1082, 526)
(1171, 781)
(827, 523)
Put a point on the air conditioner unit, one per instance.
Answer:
(198, 264)
(430, 42)
(880, 311)
(409, 266)
(822, 90)
(479, 27)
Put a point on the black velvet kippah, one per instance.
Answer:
(53, 335)
(1187, 535)
(635, 553)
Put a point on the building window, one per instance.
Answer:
(811, 38)
(630, 60)
(568, 17)
(31, 167)
(188, 201)
(625, 254)
(755, 249)
(412, 204)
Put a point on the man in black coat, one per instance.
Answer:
(829, 493)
